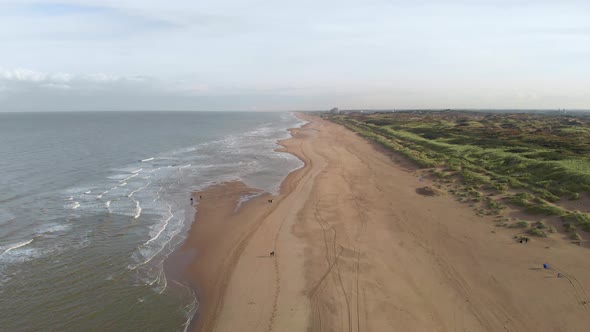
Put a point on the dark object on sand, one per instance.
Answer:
(272, 253)
(191, 201)
(427, 191)
(270, 200)
(545, 266)
(200, 197)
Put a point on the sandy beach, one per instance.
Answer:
(357, 248)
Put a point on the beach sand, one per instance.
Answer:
(358, 249)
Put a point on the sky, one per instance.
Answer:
(293, 55)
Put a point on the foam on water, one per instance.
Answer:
(191, 309)
(137, 210)
(53, 228)
(74, 205)
(128, 178)
(38, 247)
(151, 215)
(138, 189)
(15, 246)
(159, 228)
(244, 198)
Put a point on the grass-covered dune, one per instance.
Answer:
(544, 157)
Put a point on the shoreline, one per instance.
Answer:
(357, 247)
(208, 255)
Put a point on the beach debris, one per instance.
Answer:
(545, 266)
(272, 253)
(427, 191)
(270, 200)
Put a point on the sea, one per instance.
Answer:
(92, 203)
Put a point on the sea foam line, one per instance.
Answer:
(106, 192)
(17, 245)
(137, 210)
(185, 166)
(148, 159)
(155, 170)
(193, 307)
(157, 195)
(138, 189)
(133, 267)
(165, 224)
(161, 277)
(129, 177)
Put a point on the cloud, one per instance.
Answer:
(38, 78)
(229, 54)
(23, 88)
(30, 90)
(27, 75)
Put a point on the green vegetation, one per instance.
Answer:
(441, 174)
(539, 225)
(580, 219)
(521, 199)
(545, 155)
(519, 224)
(494, 206)
(569, 227)
(574, 196)
(545, 209)
(530, 151)
(537, 232)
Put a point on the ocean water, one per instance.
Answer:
(91, 204)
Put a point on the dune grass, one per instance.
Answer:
(548, 156)
(580, 219)
(550, 165)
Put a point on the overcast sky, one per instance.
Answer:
(293, 55)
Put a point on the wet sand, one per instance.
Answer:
(357, 248)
